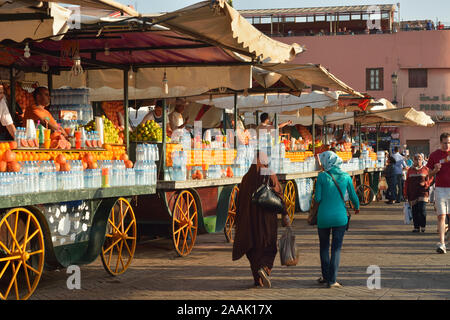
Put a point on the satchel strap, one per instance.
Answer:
(339, 189)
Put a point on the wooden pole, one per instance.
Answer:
(125, 106)
(162, 157)
(235, 110)
(313, 133)
(12, 107)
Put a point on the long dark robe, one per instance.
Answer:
(256, 229)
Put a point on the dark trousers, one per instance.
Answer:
(260, 258)
(419, 214)
(398, 179)
(390, 192)
(330, 265)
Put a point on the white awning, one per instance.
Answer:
(324, 103)
(397, 116)
(43, 25)
(312, 74)
(216, 22)
(107, 85)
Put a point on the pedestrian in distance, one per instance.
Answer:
(332, 214)
(400, 164)
(417, 192)
(256, 228)
(439, 165)
(390, 180)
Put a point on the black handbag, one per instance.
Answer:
(267, 199)
(342, 197)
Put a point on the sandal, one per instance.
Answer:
(322, 280)
(335, 285)
(264, 278)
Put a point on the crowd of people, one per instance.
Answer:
(409, 180)
(421, 180)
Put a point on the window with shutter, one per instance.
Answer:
(418, 78)
(374, 79)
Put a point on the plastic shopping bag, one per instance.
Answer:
(288, 250)
(407, 213)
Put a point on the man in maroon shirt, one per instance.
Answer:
(439, 165)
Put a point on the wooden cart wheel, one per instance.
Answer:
(184, 223)
(365, 194)
(289, 199)
(355, 186)
(230, 226)
(22, 254)
(120, 239)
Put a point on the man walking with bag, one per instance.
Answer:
(439, 165)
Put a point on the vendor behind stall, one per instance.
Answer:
(267, 125)
(38, 112)
(5, 119)
(176, 119)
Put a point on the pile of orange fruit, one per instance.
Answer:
(9, 159)
(298, 156)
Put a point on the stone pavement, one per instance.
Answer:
(410, 267)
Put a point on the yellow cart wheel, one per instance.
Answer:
(120, 239)
(230, 225)
(22, 253)
(289, 199)
(184, 223)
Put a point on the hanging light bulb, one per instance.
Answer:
(45, 66)
(266, 101)
(165, 83)
(77, 69)
(245, 92)
(107, 50)
(345, 111)
(26, 51)
(210, 98)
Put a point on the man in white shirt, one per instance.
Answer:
(176, 119)
(5, 117)
(265, 124)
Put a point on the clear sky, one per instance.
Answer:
(409, 9)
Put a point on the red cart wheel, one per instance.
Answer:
(22, 254)
(289, 199)
(230, 226)
(120, 239)
(184, 223)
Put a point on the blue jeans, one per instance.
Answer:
(329, 265)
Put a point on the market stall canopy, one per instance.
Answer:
(101, 4)
(27, 19)
(216, 22)
(312, 74)
(399, 116)
(323, 102)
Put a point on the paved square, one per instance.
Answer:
(409, 265)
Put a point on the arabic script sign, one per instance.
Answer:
(438, 111)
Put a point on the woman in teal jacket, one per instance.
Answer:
(332, 214)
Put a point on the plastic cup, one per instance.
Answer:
(47, 133)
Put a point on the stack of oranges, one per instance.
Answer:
(9, 161)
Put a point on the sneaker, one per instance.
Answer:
(422, 229)
(335, 285)
(264, 278)
(416, 230)
(441, 248)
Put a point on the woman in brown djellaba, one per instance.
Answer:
(256, 228)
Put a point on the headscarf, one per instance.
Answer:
(330, 160)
